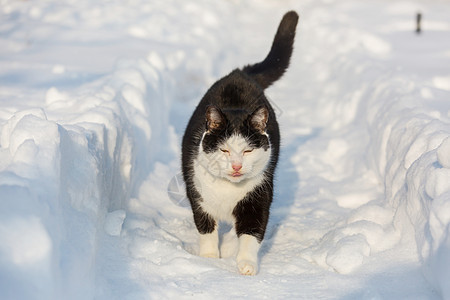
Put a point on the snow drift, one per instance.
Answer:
(64, 172)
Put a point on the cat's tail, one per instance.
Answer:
(277, 61)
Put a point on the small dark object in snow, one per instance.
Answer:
(418, 21)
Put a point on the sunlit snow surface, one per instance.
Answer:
(94, 98)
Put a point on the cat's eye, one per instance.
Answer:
(224, 150)
(248, 151)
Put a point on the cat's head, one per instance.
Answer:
(235, 145)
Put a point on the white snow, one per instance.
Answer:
(114, 221)
(94, 99)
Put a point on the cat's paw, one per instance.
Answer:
(247, 267)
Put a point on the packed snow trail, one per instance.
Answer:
(362, 194)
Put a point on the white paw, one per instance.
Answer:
(247, 267)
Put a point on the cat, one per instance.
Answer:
(230, 151)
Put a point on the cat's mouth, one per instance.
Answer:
(235, 176)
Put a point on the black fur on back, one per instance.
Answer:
(233, 100)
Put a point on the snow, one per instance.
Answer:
(94, 98)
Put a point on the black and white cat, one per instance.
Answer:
(230, 151)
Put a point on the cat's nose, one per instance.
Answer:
(236, 167)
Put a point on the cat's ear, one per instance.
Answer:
(277, 61)
(259, 118)
(215, 120)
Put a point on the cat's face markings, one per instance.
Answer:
(239, 159)
(235, 150)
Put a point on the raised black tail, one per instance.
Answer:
(277, 61)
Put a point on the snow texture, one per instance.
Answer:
(94, 99)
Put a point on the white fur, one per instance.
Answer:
(209, 244)
(247, 257)
(230, 243)
(213, 176)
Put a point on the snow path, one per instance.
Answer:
(363, 191)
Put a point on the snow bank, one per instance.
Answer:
(382, 125)
(411, 151)
(410, 128)
(63, 175)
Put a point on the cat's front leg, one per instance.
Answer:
(247, 257)
(207, 227)
(251, 216)
(209, 244)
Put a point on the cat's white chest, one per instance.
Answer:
(221, 196)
